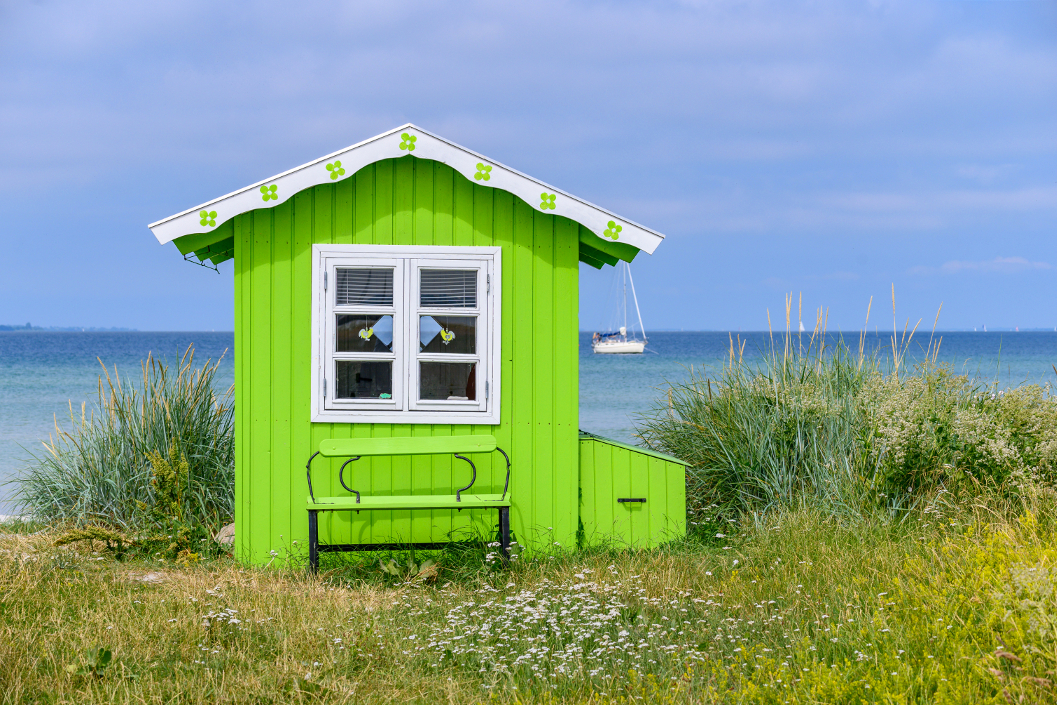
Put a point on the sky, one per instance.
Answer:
(831, 150)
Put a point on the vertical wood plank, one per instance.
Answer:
(545, 485)
(588, 498)
(657, 494)
(565, 364)
(518, 289)
(301, 298)
(638, 466)
(443, 205)
(260, 394)
(243, 299)
(279, 389)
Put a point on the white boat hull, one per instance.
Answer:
(619, 347)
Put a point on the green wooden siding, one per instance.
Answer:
(609, 471)
(406, 201)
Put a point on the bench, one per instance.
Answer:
(356, 448)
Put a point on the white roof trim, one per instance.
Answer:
(392, 144)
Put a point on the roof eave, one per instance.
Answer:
(273, 191)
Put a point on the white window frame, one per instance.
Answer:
(405, 406)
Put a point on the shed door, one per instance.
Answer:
(610, 474)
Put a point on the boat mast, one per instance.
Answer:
(636, 298)
(625, 280)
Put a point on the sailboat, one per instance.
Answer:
(619, 342)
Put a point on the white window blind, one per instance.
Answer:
(448, 288)
(364, 287)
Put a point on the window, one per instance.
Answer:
(406, 334)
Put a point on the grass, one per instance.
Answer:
(954, 604)
(861, 532)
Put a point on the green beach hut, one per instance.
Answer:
(411, 303)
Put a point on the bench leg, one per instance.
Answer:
(504, 532)
(313, 541)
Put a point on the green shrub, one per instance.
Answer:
(825, 427)
(164, 449)
(775, 433)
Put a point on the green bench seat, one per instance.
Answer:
(355, 448)
(446, 501)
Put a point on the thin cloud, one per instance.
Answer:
(998, 265)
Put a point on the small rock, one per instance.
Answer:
(226, 536)
(154, 578)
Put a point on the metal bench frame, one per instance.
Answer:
(315, 548)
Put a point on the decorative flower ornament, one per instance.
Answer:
(613, 230)
(208, 218)
(547, 201)
(269, 193)
(446, 336)
(407, 142)
(335, 169)
(366, 333)
(483, 172)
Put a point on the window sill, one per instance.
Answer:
(407, 417)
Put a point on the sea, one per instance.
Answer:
(44, 376)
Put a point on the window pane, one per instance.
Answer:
(448, 380)
(448, 288)
(448, 334)
(363, 333)
(364, 380)
(364, 287)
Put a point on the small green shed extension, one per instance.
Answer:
(409, 287)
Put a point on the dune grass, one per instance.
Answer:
(815, 423)
(98, 469)
(957, 603)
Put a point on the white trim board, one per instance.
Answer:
(395, 143)
(406, 332)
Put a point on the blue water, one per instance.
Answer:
(41, 373)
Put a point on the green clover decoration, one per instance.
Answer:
(335, 169)
(407, 142)
(548, 201)
(208, 218)
(613, 230)
(269, 193)
(483, 172)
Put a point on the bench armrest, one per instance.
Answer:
(506, 486)
(308, 471)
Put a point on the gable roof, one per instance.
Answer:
(207, 218)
